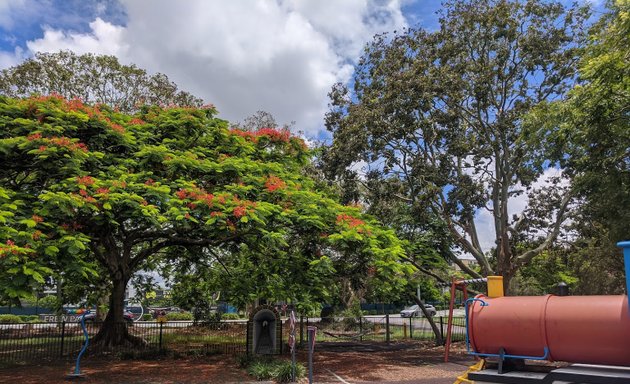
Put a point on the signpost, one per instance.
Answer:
(292, 343)
(312, 332)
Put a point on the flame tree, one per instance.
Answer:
(87, 189)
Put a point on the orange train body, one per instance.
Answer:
(576, 329)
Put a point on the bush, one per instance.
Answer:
(230, 316)
(261, 370)
(284, 371)
(278, 370)
(179, 316)
(147, 317)
(5, 319)
(29, 318)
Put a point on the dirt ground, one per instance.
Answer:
(333, 363)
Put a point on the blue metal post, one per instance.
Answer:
(626, 258)
(77, 369)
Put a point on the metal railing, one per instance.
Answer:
(47, 341)
(26, 342)
(381, 328)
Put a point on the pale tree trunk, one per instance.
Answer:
(436, 330)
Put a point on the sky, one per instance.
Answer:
(280, 56)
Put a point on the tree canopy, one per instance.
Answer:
(588, 132)
(438, 116)
(93, 79)
(90, 187)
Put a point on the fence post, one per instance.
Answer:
(63, 336)
(410, 328)
(442, 329)
(360, 328)
(387, 328)
(247, 338)
(301, 330)
(160, 342)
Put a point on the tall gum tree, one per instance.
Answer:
(442, 112)
(106, 188)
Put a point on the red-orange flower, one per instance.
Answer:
(85, 180)
(240, 211)
(37, 219)
(181, 194)
(274, 183)
(118, 128)
(136, 121)
(349, 220)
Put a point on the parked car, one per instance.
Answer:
(128, 316)
(415, 311)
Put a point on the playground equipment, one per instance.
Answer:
(588, 335)
(77, 368)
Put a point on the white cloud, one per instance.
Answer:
(8, 9)
(8, 59)
(104, 38)
(242, 55)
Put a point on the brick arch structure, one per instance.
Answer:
(264, 331)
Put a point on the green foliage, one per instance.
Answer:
(543, 275)
(589, 131)
(437, 116)
(147, 317)
(5, 319)
(230, 316)
(284, 371)
(279, 370)
(29, 318)
(179, 316)
(261, 370)
(98, 195)
(81, 76)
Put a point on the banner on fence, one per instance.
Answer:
(58, 319)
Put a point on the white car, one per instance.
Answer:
(415, 310)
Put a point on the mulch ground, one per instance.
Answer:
(403, 363)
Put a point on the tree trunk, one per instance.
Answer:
(114, 332)
(434, 327)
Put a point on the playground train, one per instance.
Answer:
(576, 339)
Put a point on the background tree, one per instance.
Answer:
(260, 120)
(93, 79)
(442, 112)
(588, 134)
(118, 191)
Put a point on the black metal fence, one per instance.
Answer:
(48, 341)
(382, 328)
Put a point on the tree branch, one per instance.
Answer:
(529, 255)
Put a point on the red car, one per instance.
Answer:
(91, 317)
